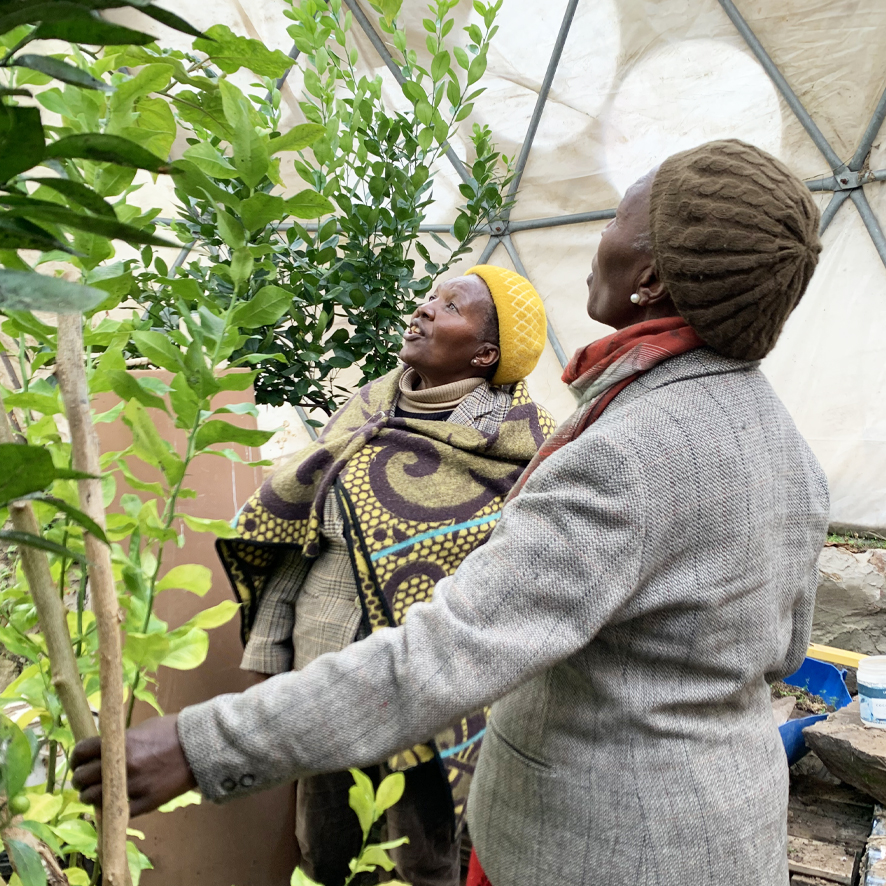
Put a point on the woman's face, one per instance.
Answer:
(447, 333)
(622, 260)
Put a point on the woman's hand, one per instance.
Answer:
(156, 767)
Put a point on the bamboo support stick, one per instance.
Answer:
(51, 612)
(115, 804)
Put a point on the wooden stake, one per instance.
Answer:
(103, 592)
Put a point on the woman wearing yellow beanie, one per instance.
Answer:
(413, 471)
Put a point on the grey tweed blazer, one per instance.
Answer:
(624, 617)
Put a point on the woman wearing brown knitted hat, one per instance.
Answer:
(656, 567)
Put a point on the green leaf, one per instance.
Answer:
(155, 128)
(361, 798)
(242, 263)
(267, 307)
(147, 443)
(440, 65)
(127, 387)
(79, 193)
(250, 149)
(30, 291)
(215, 616)
(146, 650)
(99, 147)
(185, 402)
(77, 516)
(137, 862)
(298, 138)
(192, 181)
(89, 29)
(220, 528)
(231, 52)
(211, 161)
(52, 213)
(308, 204)
(60, 70)
(26, 861)
(187, 651)
(159, 350)
(375, 855)
(413, 91)
(24, 469)
(300, 878)
(78, 834)
(231, 230)
(236, 381)
(17, 758)
(37, 541)
(218, 431)
(477, 68)
(260, 209)
(389, 791)
(187, 577)
(19, 233)
(43, 403)
(21, 140)
(189, 798)
(461, 229)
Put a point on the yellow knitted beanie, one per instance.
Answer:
(522, 325)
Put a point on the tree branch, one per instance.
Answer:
(103, 590)
(51, 612)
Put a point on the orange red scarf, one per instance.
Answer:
(597, 374)
(600, 371)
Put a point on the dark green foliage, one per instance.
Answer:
(353, 277)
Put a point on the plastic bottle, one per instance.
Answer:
(872, 690)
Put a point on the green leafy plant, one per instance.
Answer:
(71, 211)
(369, 805)
(350, 279)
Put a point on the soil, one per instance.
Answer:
(806, 703)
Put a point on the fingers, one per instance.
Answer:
(86, 750)
(87, 774)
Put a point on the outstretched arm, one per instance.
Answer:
(564, 557)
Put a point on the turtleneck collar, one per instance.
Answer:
(437, 399)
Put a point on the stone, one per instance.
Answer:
(782, 708)
(850, 606)
(854, 753)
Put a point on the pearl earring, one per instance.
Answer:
(474, 362)
(635, 299)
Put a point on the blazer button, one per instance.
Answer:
(247, 781)
(229, 784)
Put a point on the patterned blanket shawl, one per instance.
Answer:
(416, 497)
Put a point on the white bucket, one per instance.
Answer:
(872, 690)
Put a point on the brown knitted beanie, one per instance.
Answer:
(735, 241)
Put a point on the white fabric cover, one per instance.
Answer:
(636, 82)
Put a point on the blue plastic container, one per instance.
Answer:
(821, 679)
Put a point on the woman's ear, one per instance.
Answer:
(487, 356)
(650, 288)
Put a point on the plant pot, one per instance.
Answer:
(821, 679)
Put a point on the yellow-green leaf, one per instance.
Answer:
(215, 616)
(187, 577)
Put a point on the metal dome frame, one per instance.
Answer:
(846, 181)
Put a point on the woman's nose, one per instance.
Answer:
(425, 310)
